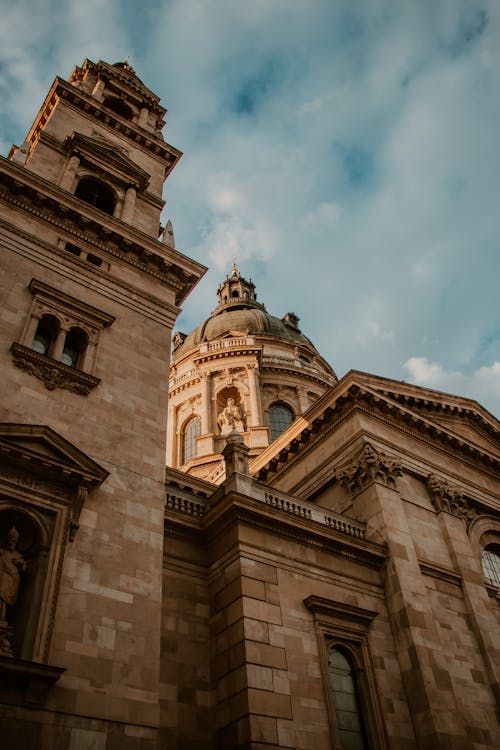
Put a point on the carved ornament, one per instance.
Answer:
(369, 466)
(446, 497)
(54, 374)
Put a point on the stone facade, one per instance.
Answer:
(326, 590)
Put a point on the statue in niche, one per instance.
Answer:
(231, 418)
(12, 564)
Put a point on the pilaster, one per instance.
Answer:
(438, 724)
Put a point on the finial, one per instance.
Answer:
(234, 270)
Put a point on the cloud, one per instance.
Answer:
(344, 153)
(483, 384)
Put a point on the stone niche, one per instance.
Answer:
(44, 481)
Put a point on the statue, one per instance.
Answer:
(230, 418)
(12, 564)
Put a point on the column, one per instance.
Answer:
(129, 205)
(59, 344)
(303, 400)
(69, 174)
(98, 89)
(143, 117)
(206, 404)
(31, 330)
(255, 404)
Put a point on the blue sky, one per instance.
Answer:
(345, 153)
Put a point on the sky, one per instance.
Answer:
(344, 153)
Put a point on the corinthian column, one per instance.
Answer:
(255, 405)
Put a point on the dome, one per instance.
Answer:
(238, 311)
(242, 369)
(245, 320)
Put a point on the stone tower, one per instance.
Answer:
(90, 296)
(241, 367)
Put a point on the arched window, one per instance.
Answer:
(45, 335)
(96, 193)
(191, 432)
(491, 563)
(119, 106)
(280, 417)
(74, 346)
(345, 695)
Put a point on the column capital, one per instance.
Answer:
(446, 497)
(367, 467)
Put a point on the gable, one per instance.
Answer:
(49, 452)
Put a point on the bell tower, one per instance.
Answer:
(98, 136)
(89, 298)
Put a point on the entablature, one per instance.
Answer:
(49, 203)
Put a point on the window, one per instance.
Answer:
(75, 344)
(191, 432)
(45, 335)
(280, 417)
(59, 341)
(97, 194)
(491, 564)
(346, 700)
(350, 688)
(119, 106)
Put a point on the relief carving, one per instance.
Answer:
(445, 497)
(54, 374)
(369, 466)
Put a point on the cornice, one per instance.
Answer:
(358, 397)
(319, 605)
(440, 573)
(49, 203)
(240, 509)
(81, 271)
(91, 107)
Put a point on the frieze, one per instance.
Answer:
(54, 374)
(369, 466)
(33, 482)
(448, 498)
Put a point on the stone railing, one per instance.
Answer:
(184, 505)
(281, 502)
(226, 344)
(314, 513)
(289, 506)
(346, 527)
(179, 379)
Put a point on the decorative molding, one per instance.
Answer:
(442, 574)
(35, 678)
(446, 497)
(53, 374)
(369, 466)
(318, 605)
(57, 207)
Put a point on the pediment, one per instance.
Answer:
(463, 417)
(48, 452)
(107, 155)
(459, 423)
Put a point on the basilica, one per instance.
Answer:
(208, 541)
